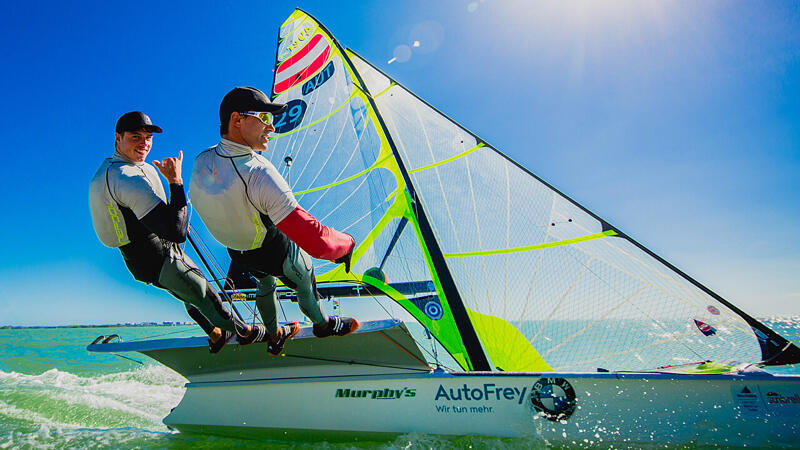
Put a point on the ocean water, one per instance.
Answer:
(55, 394)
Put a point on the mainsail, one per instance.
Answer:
(508, 273)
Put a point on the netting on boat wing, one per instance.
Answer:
(330, 148)
(522, 254)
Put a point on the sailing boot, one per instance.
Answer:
(223, 337)
(277, 340)
(336, 326)
(257, 334)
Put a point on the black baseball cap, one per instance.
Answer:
(245, 98)
(135, 121)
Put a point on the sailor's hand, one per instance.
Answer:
(346, 258)
(171, 168)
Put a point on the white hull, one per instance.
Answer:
(375, 384)
(633, 408)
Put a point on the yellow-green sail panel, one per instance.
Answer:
(507, 348)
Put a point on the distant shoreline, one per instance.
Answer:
(777, 318)
(140, 324)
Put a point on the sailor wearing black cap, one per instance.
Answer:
(130, 211)
(248, 207)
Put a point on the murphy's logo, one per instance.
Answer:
(487, 392)
(376, 394)
(775, 398)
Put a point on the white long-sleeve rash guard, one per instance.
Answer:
(239, 195)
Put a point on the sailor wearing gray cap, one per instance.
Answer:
(130, 211)
(247, 206)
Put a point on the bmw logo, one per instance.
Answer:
(554, 398)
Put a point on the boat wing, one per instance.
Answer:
(377, 347)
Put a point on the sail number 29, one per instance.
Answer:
(289, 120)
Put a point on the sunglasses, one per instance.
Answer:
(265, 117)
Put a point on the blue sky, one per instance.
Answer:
(676, 121)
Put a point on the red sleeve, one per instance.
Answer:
(316, 239)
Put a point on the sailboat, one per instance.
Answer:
(545, 320)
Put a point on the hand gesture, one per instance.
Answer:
(171, 168)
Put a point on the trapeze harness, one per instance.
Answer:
(130, 212)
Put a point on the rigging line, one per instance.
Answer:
(377, 300)
(595, 322)
(322, 132)
(367, 119)
(533, 247)
(351, 177)
(569, 250)
(432, 355)
(333, 150)
(224, 294)
(450, 159)
(219, 269)
(681, 287)
(207, 250)
(421, 347)
(356, 149)
(477, 226)
(476, 358)
(369, 213)
(670, 280)
(204, 248)
(300, 139)
(352, 193)
(508, 238)
(403, 349)
(633, 350)
(402, 147)
(731, 318)
(541, 258)
(339, 174)
(558, 304)
(400, 226)
(283, 311)
(455, 234)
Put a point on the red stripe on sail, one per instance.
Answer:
(304, 73)
(299, 55)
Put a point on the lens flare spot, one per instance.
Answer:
(402, 53)
(429, 35)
